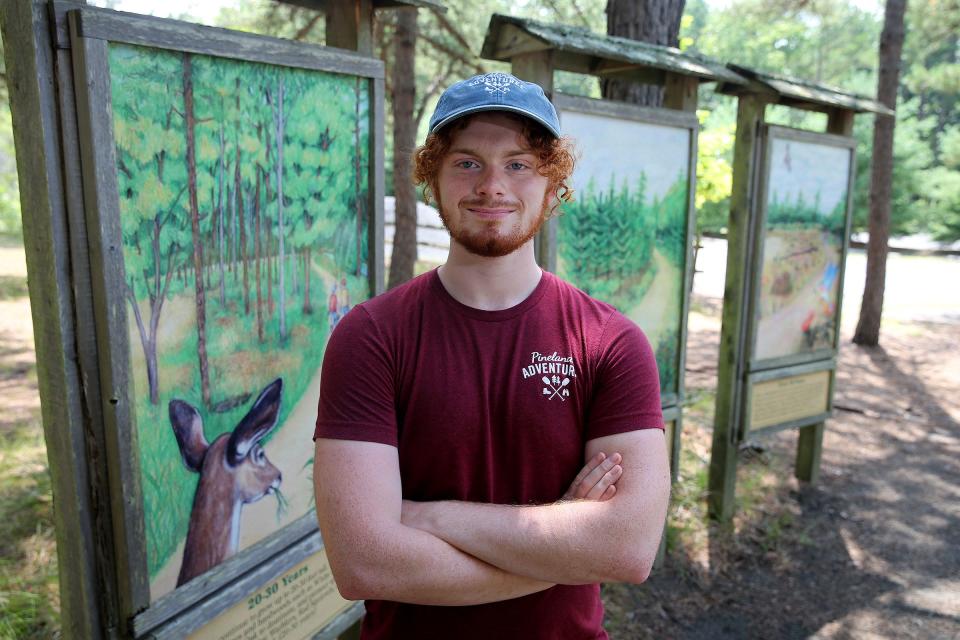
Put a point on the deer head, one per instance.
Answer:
(234, 470)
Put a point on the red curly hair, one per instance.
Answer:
(555, 157)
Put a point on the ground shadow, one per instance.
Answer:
(872, 550)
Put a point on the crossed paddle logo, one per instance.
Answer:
(556, 387)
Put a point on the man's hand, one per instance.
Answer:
(597, 480)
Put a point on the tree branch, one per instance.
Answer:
(307, 28)
(451, 29)
(452, 53)
(431, 91)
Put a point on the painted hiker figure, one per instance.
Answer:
(457, 410)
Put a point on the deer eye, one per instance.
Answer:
(258, 455)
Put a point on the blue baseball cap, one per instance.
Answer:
(495, 92)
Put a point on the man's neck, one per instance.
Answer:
(490, 284)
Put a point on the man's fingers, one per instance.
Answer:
(608, 480)
(592, 463)
(608, 493)
(596, 475)
(577, 489)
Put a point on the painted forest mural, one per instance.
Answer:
(623, 240)
(803, 239)
(243, 191)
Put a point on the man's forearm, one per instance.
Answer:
(418, 567)
(568, 543)
(572, 542)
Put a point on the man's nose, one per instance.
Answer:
(490, 183)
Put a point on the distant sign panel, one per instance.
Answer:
(801, 248)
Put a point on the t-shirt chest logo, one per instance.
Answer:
(553, 372)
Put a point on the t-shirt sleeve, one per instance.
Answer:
(626, 394)
(357, 384)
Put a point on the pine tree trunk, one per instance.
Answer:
(201, 301)
(653, 21)
(404, 139)
(891, 45)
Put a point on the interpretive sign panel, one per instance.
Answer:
(625, 238)
(232, 188)
(801, 246)
(242, 210)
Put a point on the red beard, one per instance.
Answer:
(489, 243)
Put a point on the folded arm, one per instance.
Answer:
(375, 556)
(569, 542)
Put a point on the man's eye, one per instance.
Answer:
(517, 166)
(466, 164)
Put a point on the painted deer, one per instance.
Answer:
(234, 471)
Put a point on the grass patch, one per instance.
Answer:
(11, 240)
(767, 522)
(12, 287)
(29, 596)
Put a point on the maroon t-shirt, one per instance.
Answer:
(488, 406)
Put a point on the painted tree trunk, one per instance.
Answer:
(258, 256)
(201, 301)
(356, 191)
(281, 231)
(220, 230)
(881, 176)
(653, 21)
(307, 309)
(241, 215)
(404, 254)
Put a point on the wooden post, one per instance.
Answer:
(680, 92)
(349, 25)
(726, 425)
(809, 448)
(840, 122)
(30, 67)
(538, 67)
(810, 439)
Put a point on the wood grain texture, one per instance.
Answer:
(30, 76)
(726, 436)
(209, 588)
(161, 33)
(108, 282)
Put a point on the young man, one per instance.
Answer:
(456, 410)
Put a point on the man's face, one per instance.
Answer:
(492, 200)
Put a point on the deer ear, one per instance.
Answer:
(188, 427)
(258, 422)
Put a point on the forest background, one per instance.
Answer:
(832, 42)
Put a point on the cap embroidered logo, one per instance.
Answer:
(497, 83)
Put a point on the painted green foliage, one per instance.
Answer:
(624, 238)
(607, 243)
(223, 295)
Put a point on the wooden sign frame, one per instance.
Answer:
(82, 34)
(769, 134)
(668, 118)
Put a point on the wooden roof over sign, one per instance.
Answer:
(802, 94)
(583, 51)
